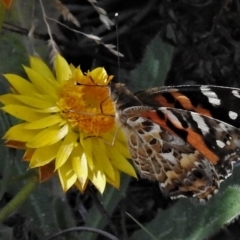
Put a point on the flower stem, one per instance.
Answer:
(22, 195)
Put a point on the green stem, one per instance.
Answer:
(22, 195)
(19, 178)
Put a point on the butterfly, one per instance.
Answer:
(185, 137)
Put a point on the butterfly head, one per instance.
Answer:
(122, 97)
(117, 90)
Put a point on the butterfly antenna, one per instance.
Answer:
(117, 40)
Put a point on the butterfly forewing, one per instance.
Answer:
(218, 102)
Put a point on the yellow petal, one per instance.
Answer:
(63, 71)
(116, 181)
(121, 146)
(28, 154)
(99, 76)
(102, 158)
(39, 66)
(121, 163)
(86, 142)
(42, 69)
(44, 155)
(66, 148)
(45, 122)
(19, 133)
(35, 102)
(54, 109)
(80, 165)
(45, 97)
(98, 179)
(77, 73)
(48, 136)
(21, 85)
(25, 113)
(9, 99)
(67, 176)
(81, 187)
(72, 68)
(41, 83)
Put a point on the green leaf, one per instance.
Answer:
(188, 219)
(154, 66)
(47, 210)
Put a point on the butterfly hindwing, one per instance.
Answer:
(178, 167)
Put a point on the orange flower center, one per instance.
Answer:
(87, 107)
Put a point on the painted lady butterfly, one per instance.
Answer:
(184, 137)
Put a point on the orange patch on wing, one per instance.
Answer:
(184, 101)
(193, 138)
(163, 101)
(197, 142)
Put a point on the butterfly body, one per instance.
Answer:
(175, 139)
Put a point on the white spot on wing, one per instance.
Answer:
(169, 157)
(170, 115)
(228, 143)
(236, 93)
(223, 127)
(204, 88)
(232, 115)
(202, 201)
(200, 122)
(215, 191)
(209, 196)
(212, 96)
(220, 143)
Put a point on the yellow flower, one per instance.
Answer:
(67, 125)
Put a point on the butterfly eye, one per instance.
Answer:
(114, 96)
